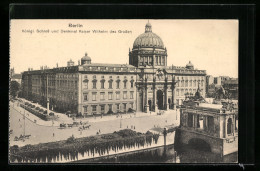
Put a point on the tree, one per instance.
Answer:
(14, 88)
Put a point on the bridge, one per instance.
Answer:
(212, 128)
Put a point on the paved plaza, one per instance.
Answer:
(48, 131)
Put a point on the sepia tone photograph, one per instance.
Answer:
(123, 91)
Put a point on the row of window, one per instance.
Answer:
(148, 60)
(189, 83)
(194, 78)
(110, 84)
(67, 76)
(110, 96)
(94, 77)
(119, 107)
(60, 83)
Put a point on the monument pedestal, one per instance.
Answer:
(156, 109)
(146, 108)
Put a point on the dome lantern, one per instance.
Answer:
(148, 27)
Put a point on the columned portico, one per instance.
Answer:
(155, 96)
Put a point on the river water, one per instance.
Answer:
(164, 154)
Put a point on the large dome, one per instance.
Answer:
(148, 39)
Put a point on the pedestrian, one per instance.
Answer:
(99, 130)
(19, 120)
(53, 134)
(127, 126)
(150, 112)
(134, 127)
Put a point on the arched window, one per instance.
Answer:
(125, 85)
(229, 126)
(102, 84)
(110, 84)
(117, 84)
(94, 81)
(132, 83)
(94, 84)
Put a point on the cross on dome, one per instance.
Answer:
(148, 27)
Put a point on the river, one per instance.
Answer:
(165, 155)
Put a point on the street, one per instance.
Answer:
(41, 133)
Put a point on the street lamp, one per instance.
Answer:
(24, 123)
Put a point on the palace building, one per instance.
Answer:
(145, 84)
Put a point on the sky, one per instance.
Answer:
(210, 45)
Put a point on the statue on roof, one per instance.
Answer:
(191, 100)
(221, 93)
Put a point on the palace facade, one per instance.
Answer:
(146, 84)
